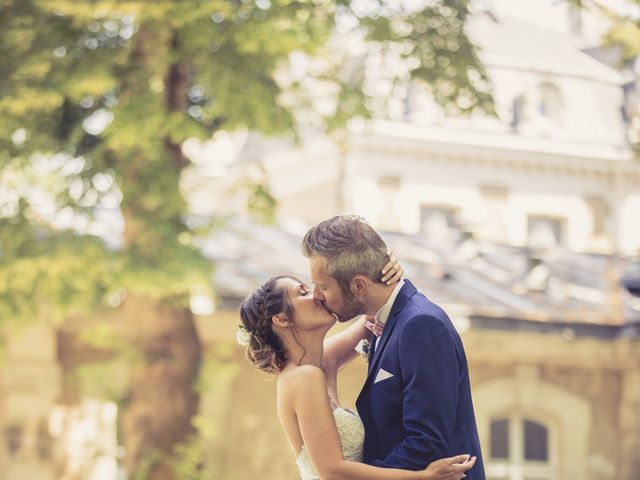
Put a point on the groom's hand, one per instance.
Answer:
(451, 468)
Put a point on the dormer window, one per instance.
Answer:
(550, 102)
(545, 232)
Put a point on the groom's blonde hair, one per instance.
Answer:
(349, 246)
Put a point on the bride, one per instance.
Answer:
(284, 330)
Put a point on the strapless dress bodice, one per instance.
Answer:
(351, 432)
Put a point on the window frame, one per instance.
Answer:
(516, 467)
(447, 209)
(563, 223)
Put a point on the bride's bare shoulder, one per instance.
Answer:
(300, 381)
(302, 375)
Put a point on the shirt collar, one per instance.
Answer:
(383, 314)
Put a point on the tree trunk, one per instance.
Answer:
(157, 414)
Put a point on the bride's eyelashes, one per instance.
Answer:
(303, 290)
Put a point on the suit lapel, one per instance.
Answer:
(380, 344)
(373, 342)
(404, 294)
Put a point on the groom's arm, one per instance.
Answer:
(429, 367)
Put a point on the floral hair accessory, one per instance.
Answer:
(243, 336)
(363, 348)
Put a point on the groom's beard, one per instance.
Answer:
(352, 308)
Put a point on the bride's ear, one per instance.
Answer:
(279, 320)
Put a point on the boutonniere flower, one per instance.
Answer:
(363, 348)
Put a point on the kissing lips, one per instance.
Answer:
(320, 303)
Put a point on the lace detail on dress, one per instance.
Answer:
(351, 431)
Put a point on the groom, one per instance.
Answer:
(416, 401)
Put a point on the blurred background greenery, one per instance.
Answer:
(130, 371)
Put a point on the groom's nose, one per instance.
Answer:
(317, 295)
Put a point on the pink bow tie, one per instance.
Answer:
(375, 326)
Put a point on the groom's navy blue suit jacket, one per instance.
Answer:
(416, 402)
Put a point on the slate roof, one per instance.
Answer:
(486, 279)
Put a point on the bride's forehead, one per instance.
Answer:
(288, 283)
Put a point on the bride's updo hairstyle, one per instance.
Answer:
(264, 349)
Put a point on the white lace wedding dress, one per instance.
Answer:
(351, 433)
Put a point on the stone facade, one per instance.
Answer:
(31, 385)
(584, 389)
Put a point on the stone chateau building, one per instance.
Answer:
(524, 227)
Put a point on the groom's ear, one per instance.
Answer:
(359, 285)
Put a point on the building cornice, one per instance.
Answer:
(396, 140)
(599, 74)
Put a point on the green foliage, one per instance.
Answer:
(48, 274)
(261, 204)
(101, 335)
(219, 369)
(158, 73)
(118, 85)
(101, 94)
(433, 40)
(105, 379)
(148, 460)
(186, 460)
(65, 60)
(625, 33)
(189, 458)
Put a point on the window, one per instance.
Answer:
(389, 187)
(518, 112)
(14, 434)
(500, 439)
(520, 449)
(550, 104)
(545, 232)
(536, 441)
(389, 182)
(410, 101)
(538, 112)
(437, 220)
(600, 212)
(575, 19)
(494, 198)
